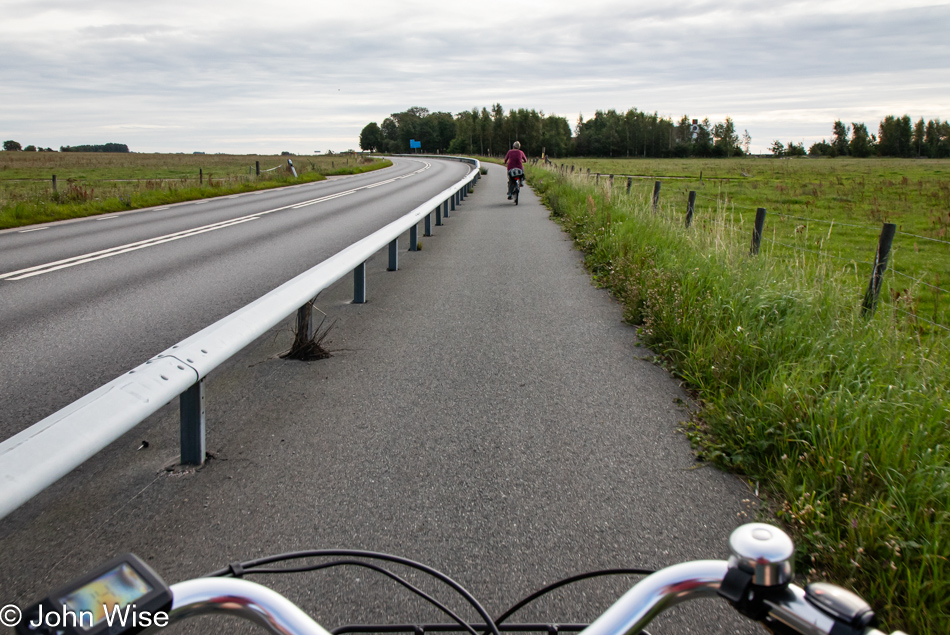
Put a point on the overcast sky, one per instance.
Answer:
(249, 76)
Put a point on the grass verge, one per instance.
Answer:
(844, 421)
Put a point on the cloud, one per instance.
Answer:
(230, 73)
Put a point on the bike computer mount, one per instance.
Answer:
(121, 597)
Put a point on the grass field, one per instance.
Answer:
(843, 421)
(830, 210)
(90, 183)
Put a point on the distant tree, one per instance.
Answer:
(839, 139)
(795, 149)
(726, 139)
(371, 137)
(105, 147)
(931, 138)
(12, 146)
(29, 149)
(918, 141)
(861, 142)
(820, 149)
(895, 136)
(777, 148)
(746, 142)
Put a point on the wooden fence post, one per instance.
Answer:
(54, 182)
(689, 207)
(880, 266)
(257, 165)
(201, 176)
(656, 195)
(757, 230)
(629, 183)
(611, 181)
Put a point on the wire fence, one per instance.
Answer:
(910, 288)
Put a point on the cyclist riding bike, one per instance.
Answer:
(515, 160)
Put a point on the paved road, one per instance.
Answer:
(84, 301)
(486, 412)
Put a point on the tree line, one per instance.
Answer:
(14, 146)
(608, 133)
(896, 137)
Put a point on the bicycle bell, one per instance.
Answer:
(763, 551)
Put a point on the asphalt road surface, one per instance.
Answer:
(486, 412)
(82, 302)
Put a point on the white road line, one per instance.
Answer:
(35, 229)
(125, 251)
(37, 270)
(158, 209)
(145, 243)
(107, 218)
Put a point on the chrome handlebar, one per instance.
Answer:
(658, 592)
(755, 580)
(241, 598)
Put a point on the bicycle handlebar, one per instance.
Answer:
(756, 581)
(789, 611)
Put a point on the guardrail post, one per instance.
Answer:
(656, 195)
(757, 230)
(359, 284)
(452, 200)
(192, 408)
(880, 266)
(414, 237)
(257, 165)
(438, 216)
(689, 207)
(394, 255)
(54, 182)
(428, 225)
(445, 208)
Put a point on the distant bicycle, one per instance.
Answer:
(515, 183)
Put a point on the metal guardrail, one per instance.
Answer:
(37, 457)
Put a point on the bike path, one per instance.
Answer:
(486, 412)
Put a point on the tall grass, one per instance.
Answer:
(843, 421)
